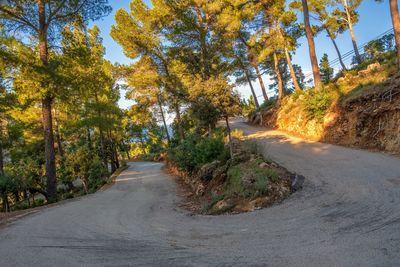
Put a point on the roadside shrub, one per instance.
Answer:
(195, 151)
(83, 163)
(256, 177)
(317, 104)
(238, 134)
(268, 104)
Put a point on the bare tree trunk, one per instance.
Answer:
(46, 110)
(6, 204)
(1, 151)
(17, 197)
(163, 119)
(311, 46)
(103, 148)
(260, 80)
(102, 140)
(203, 28)
(116, 158)
(49, 150)
(252, 89)
(58, 136)
(281, 92)
(229, 136)
(179, 121)
(89, 138)
(394, 11)
(337, 49)
(112, 152)
(353, 37)
(292, 72)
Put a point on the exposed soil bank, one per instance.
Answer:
(367, 116)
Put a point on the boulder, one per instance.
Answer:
(248, 181)
(222, 206)
(264, 165)
(297, 182)
(220, 171)
(206, 172)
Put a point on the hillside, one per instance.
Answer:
(360, 109)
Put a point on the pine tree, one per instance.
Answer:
(326, 70)
(51, 17)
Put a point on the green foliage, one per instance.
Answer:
(317, 104)
(252, 172)
(325, 69)
(266, 105)
(84, 163)
(195, 151)
(251, 146)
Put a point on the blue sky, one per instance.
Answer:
(374, 19)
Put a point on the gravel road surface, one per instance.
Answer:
(348, 214)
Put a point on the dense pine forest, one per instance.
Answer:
(59, 113)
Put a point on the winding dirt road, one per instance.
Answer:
(348, 214)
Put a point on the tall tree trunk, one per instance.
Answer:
(89, 138)
(1, 149)
(46, 110)
(116, 157)
(394, 11)
(311, 46)
(1, 158)
(203, 28)
(292, 72)
(103, 148)
(337, 49)
(229, 136)
(17, 197)
(179, 121)
(252, 89)
(102, 140)
(58, 136)
(49, 150)
(281, 92)
(353, 37)
(163, 118)
(112, 152)
(6, 204)
(254, 64)
(260, 80)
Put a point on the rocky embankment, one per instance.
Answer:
(368, 116)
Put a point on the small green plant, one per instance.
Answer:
(195, 151)
(238, 134)
(317, 104)
(251, 146)
(251, 170)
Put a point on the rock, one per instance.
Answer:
(245, 207)
(222, 206)
(220, 171)
(199, 189)
(257, 119)
(297, 182)
(374, 66)
(240, 157)
(341, 80)
(264, 165)
(248, 181)
(273, 164)
(206, 172)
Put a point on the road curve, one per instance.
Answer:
(348, 214)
